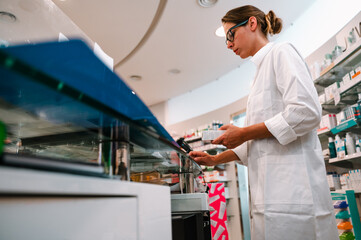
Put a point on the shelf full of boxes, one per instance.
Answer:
(200, 140)
(338, 82)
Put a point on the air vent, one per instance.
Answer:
(207, 3)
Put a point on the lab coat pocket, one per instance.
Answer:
(286, 180)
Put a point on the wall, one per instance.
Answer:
(222, 114)
(312, 29)
(161, 111)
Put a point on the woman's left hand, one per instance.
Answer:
(233, 136)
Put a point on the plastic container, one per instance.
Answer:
(350, 144)
(340, 204)
(332, 148)
(357, 146)
(343, 215)
(347, 236)
(344, 225)
(340, 147)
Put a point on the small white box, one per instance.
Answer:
(331, 90)
(329, 121)
(211, 134)
(322, 98)
(346, 78)
(358, 69)
(352, 73)
(340, 117)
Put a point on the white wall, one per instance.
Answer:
(321, 21)
(222, 114)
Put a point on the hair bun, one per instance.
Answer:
(274, 24)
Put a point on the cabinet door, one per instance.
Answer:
(101, 218)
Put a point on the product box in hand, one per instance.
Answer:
(210, 135)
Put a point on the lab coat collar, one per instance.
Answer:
(258, 57)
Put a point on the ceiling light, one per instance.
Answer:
(135, 77)
(7, 17)
(174, 71)
(207, 3)
(220, 32)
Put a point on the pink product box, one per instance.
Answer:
(328, 121)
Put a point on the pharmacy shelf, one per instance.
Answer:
(326, 131)
(348, 95)
(343, 191)
(340, 66)
(352, 157)
(351, 125)
(347, 126)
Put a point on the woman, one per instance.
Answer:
(290, 197)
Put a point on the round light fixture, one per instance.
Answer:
(207, 3)
(174, 71)
(220, 32)
(135, 77)
(7, 17)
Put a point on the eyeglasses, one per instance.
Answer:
(230, 34)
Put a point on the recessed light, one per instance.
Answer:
(135, 77)
(220, 32)
(174, 71)
(7, 17)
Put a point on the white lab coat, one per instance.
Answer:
(290, 197)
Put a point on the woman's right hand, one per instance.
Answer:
(203, 158)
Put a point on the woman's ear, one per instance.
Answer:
(253, 23)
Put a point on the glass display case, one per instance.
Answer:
(64, 110)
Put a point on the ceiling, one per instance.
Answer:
(171, 44)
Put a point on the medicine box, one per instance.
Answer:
(211, 134)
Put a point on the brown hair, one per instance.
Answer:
(269, 23)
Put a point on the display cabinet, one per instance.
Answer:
(64, 110)
(75, 139)
(339, 87)
(345, 96)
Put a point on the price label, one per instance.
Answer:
(337, 96)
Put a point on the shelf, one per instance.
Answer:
(323, 131)
(351, 125)
(348, 94)
(341, 65)
(352, 157)
(343, 191)
(348, 125)
(350, 87)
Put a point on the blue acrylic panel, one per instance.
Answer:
(71, 67)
